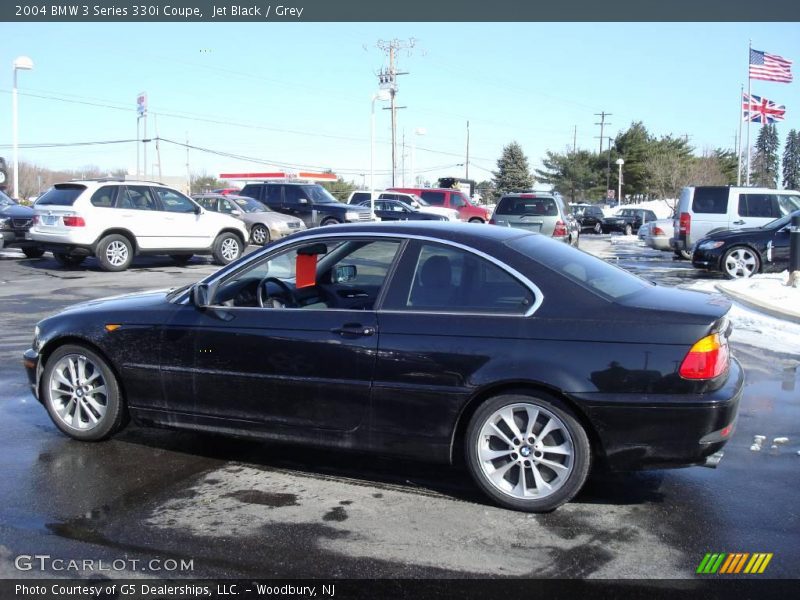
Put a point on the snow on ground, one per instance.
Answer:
(754, 328)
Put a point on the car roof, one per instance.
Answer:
(466, 233)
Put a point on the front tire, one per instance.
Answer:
(628, 230)
(527, 452)
(259, 235)
(598, 229)
(114, 253)
(33, 252)
(227, 248)
(82, 394)
(330, 221)
(740, 263)
(476, 220)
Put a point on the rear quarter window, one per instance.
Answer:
(435, 198)
(60, 195)
(710, 200)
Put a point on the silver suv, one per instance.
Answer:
(543, 213)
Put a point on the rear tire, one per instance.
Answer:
(227, 248)
(514, 464)
(82, 394)
(476, 220)
(683, 254)
(330, 221)
(65, 260)
(33, 252)
(114, 253)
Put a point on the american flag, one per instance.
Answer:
(760, 110)
(770, 67)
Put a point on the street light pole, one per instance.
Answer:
(21, 63)
(620, 162)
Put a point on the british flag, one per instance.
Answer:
(760, 110)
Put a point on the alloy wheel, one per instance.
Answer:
(78, 392)
(117, 253)
(740, 263)
(525, 451)
(229, 249)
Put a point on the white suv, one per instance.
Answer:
(114, 220)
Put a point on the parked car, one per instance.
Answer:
(657, 234)
(541, 213)
(310, 202)
(362, 196)
(416, 202)
(701, 209)
(394, 210)
(115, 219)
(740, 253)
(589, 217)
(15, 222)
(263, 224)
(627, 220)
(449, 198)
(424, 340)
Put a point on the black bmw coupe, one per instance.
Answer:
(448, 342)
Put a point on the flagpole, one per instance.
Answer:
(749, 96)
(739, 141)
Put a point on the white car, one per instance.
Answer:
(115, 219)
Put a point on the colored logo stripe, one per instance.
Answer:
(724, 563)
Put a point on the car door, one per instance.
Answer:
(186, 227)
(302, 367)
(447, 313)
(140, 213)
(297, 204)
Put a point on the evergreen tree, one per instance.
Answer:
(765, 163)
(576, 175)
(791, 161)
(633, 146)
(512, 172)
(728, 164)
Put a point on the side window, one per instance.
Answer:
(208, 203)
(457, 200)
(371, 260)
(105, 196)
(759, 205)
(710, 200)
(788, 203)
(226, 206)
(252, 191)
(435, 198)
(292, 194)
(445, 279)
(174, 202)
(272, 194)
(139, 197)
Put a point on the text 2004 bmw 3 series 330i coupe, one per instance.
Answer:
(524, 358)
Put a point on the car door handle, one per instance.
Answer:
(738, 222)
(354, 330)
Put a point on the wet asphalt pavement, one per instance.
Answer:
(238, 508)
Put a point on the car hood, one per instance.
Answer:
(16, 211)
(125, 305)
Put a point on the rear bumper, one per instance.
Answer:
(663, 430)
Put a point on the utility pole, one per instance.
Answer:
(602, 124)
(575, 140)
(466, 163)
(388, 79)
(608, 165)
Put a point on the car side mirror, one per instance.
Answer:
(344, 273)
(303, 201)
(236, 213)
(198, 210)
(202, 294)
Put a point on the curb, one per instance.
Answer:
(793, 316)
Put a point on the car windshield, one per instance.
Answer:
(249, 205)
(318, 194)
(419, 200)
(782, 222)
(594, 274)
(5, 200)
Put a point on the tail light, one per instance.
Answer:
(560, 230)
(707, 359)
(685, 224)
(657, 231)
(74, 221)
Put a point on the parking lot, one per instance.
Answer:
(234, 508)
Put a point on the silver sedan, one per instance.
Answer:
(264, 225)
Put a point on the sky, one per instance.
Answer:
(297, 96)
